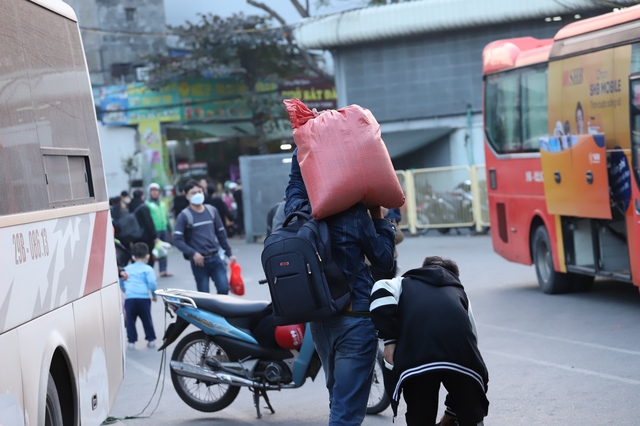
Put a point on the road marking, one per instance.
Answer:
(142, 368)
(565, 367)
(561, 339)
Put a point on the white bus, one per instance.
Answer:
(61, 334)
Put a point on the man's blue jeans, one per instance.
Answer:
(347, 347)
(213, 268)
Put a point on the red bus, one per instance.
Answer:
(562, 131)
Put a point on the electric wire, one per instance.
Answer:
(161, 374)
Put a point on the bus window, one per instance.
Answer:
(534, 108)
(67, 179)
(516, 110)
(635, 58)
(502, 108)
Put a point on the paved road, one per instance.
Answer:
(553, 360)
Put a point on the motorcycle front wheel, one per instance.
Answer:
(204, 396)
(378, 399)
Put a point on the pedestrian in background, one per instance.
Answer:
(180, 202)
(425, 321)
(139, 289)
(237, 196)
(203, 240)
(160, 217)
(213, 199)
(138, 207)
(126, 199)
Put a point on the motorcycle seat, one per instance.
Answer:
(227, 306)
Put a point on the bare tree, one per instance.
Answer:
(310, 62)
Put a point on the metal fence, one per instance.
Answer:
(440, 198)
(443, 198)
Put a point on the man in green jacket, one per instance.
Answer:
(160, 217)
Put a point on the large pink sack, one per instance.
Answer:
(342, 158)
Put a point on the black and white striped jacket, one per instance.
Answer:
(427, 314)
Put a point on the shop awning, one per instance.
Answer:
(405, 142)
(225, 130)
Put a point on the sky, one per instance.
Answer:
(179, 11)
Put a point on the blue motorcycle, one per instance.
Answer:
(238, 346)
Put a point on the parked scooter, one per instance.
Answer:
(238, 346)
(436, 209)
(448, 207)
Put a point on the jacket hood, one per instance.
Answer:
(135, 202)
(434, 275)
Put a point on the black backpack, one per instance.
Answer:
(128, 226)
(304, 281)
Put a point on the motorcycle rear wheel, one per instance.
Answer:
(202, 396)
(378, 399)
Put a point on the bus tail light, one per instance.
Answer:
(502, 222)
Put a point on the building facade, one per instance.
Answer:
(117, 35)
(418, 67)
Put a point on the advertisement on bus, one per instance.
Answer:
(588, 95)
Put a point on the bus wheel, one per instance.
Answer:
(53, 411)
(550, 281)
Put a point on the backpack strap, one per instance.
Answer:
(298, 214)
(212, 212)
(137, 208)
(189, 216)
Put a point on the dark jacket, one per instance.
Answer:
(426, 313)
(180, 203)
(144, 219)
(219, 204)
(353, 235)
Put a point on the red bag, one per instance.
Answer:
(343, 159)
(236, 284)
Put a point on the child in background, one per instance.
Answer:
(139, 288)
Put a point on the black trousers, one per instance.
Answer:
(139, 308)
(465, 398)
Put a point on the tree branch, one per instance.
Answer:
(313, 66)
(270, 11)
(301, 10)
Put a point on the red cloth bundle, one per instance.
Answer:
(343, 159)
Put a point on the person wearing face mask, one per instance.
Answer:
(203, 240)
